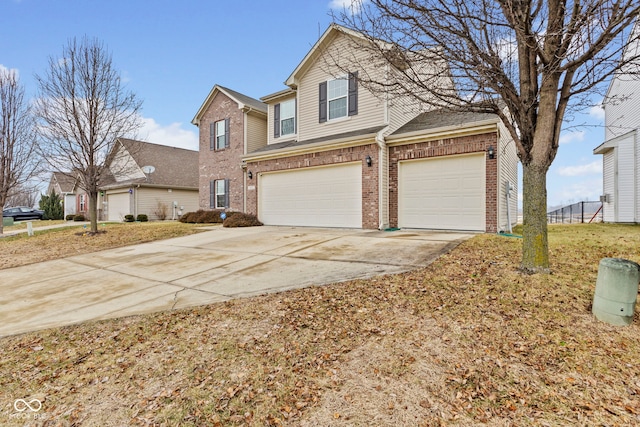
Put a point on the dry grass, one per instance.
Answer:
(466, 341)
(56, 243)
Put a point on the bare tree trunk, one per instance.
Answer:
(535, 250)
(93, 210)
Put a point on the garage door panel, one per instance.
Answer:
(321, 197)
(442, 193)
(118, 206)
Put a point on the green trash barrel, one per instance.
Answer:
(614, 300)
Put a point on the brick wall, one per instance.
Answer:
(222, 164)
(448, 147)
(370, 204)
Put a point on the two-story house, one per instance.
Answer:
(335, 154)
(620, 151)
(231, 125)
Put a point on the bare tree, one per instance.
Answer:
(83, 107)
(17, 138)
(24, 195)
(528, 62)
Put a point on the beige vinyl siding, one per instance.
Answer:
(147, 201)
(508, 171)
(256, 132)
(370, 109)
(270, 138)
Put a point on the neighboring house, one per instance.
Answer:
(64, 185)
(620, 151)
(144, 178)
(337, 155)
(231, 126)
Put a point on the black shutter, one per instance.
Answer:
(226, 193)
(322, 105)
(212, 194)
(276, 121)
(353, 93)
(227, 135)
(295, 115)
(212, 136)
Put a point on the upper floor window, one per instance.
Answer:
(284, 118)
(338, 98)
(219, 135)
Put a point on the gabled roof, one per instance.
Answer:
(66, 183)
(243, 101)
(440, 118)
(173, 166)
(326, 38)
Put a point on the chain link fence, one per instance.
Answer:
(580, 212)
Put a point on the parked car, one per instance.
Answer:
(22, 212)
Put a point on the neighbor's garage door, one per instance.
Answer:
(118, 205)
(328, 196)
(442, 193)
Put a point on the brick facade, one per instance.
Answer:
(448, 147)
(225, 163)
(370, 176)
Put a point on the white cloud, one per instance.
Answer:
(352, 6)
(172, 134)
(587, 169)
(597, 112)
(6, 71)
(569, 137)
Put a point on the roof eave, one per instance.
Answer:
(444, 131)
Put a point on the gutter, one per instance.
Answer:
(438, 133)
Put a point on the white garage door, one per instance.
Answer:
(118, 205)
(446, 193)
(328, 196)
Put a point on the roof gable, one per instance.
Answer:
(243, 101)
(327, 37)
(172, 166)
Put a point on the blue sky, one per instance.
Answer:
(171, 53)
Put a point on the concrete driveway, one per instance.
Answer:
(204, 268)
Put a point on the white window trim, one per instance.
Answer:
(216, 194)
(346, 96)
(293, 116)
(220, 124)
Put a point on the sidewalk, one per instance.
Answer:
(37, 227)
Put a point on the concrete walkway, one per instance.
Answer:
(204, 268)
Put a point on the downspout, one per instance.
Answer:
(383, 180)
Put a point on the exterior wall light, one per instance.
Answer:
(491, 152)
(250, 175)
(368, 160)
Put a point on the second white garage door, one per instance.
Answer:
(118, 205)
(446, 193)
(328, 196)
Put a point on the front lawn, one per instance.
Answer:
(467, 341)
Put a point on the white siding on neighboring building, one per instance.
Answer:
(625, 171)
(608, 175)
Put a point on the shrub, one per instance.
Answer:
(162, 211)
(142, 218)
(70, 217)
(204, 217)
(129, 218)
(239, 219)
(79, 217)
(52, 206)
